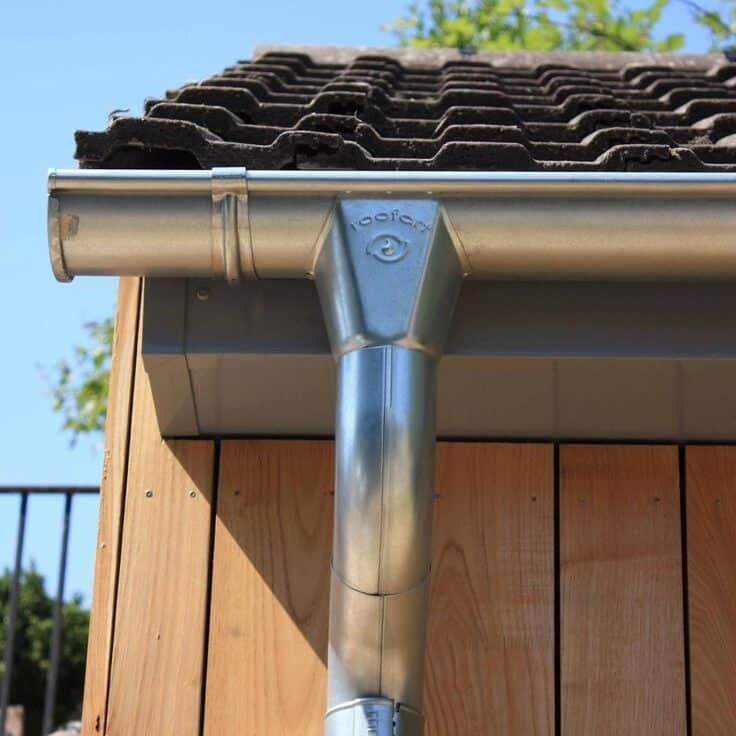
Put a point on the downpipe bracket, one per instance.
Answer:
(373, 717)
(388, 276)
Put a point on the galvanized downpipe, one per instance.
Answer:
(388, 277)
(388, 252)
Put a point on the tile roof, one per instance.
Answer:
(334, 108)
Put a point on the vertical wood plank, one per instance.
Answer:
(158, 647)
(270, 589)
(622, 638)
(711, 546)
(490, 652)
(112, 486)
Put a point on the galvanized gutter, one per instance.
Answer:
(388, 252)
(515, 225)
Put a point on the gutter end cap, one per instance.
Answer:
(56, 248)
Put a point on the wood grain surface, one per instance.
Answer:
(490, 650)
(112, 493)
(711, 544)
(270, 589)
(158, 647)
(622, 638)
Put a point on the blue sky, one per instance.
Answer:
(66, 66)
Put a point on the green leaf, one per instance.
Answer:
(79, 388)
(550, 24)
(673, 42)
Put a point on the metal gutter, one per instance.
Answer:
(440, 183)
(506, 226)
(388, 252)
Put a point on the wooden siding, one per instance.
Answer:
(560, 601)
(622, 633)
(112, 492)
(711, 545)
(490, 648)
(270, 589)
(156, 660)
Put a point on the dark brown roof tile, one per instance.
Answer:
(437, 109)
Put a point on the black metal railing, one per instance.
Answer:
(68, 492)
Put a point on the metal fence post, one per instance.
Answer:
(13, 612)
(49, 702)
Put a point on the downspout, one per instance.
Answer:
(388, 277)
(388, 252)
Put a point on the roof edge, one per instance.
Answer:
(436, 57)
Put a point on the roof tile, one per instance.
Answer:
(424, 110)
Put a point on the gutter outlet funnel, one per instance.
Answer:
(388, 277)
